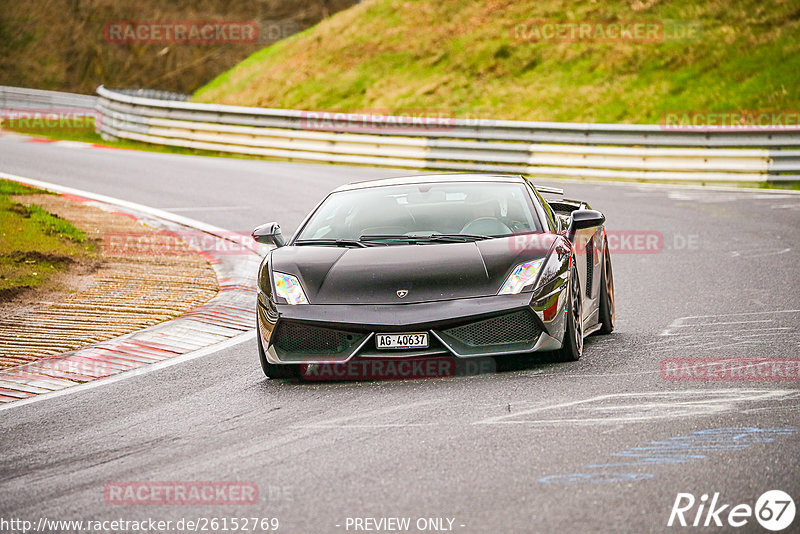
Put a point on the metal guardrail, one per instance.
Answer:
(153, 93)
(613, 151)
(21, 98)
(551, 149)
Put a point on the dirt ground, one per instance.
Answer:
(125, 288)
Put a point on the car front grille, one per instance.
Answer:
(296, 341)
(517, 327)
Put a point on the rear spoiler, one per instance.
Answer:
(549, 190)
(565, 206)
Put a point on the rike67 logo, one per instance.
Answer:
(774, 510)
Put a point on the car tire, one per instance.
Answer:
(607, 305)
(272, 370)
(572, 346)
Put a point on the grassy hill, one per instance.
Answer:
(62, 45)
(482, 58)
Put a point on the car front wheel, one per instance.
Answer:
(572, 346)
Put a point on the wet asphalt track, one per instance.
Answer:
(537, 447)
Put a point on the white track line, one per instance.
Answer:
(155, 212)
(206, 351)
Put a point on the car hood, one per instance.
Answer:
(427, 272)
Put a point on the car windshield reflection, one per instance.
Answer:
(449, 212)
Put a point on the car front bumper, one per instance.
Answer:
(464, 328)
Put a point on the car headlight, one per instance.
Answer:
(522, 276)
(289, 288)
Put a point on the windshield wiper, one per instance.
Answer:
(334, 242)
(459, 237)
(451, 238)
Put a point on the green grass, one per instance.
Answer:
(462, 57)
(54, 225)
(789, 185)
(34, 244)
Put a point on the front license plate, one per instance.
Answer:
(402, 341)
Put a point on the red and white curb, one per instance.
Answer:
(27, 138)
(226, 319)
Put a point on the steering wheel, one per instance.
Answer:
(486, 226)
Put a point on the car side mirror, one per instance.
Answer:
(269, 234)
(581, 219)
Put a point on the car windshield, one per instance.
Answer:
(438, 212)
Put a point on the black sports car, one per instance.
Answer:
(456, 266)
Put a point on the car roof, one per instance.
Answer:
(433, 178)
